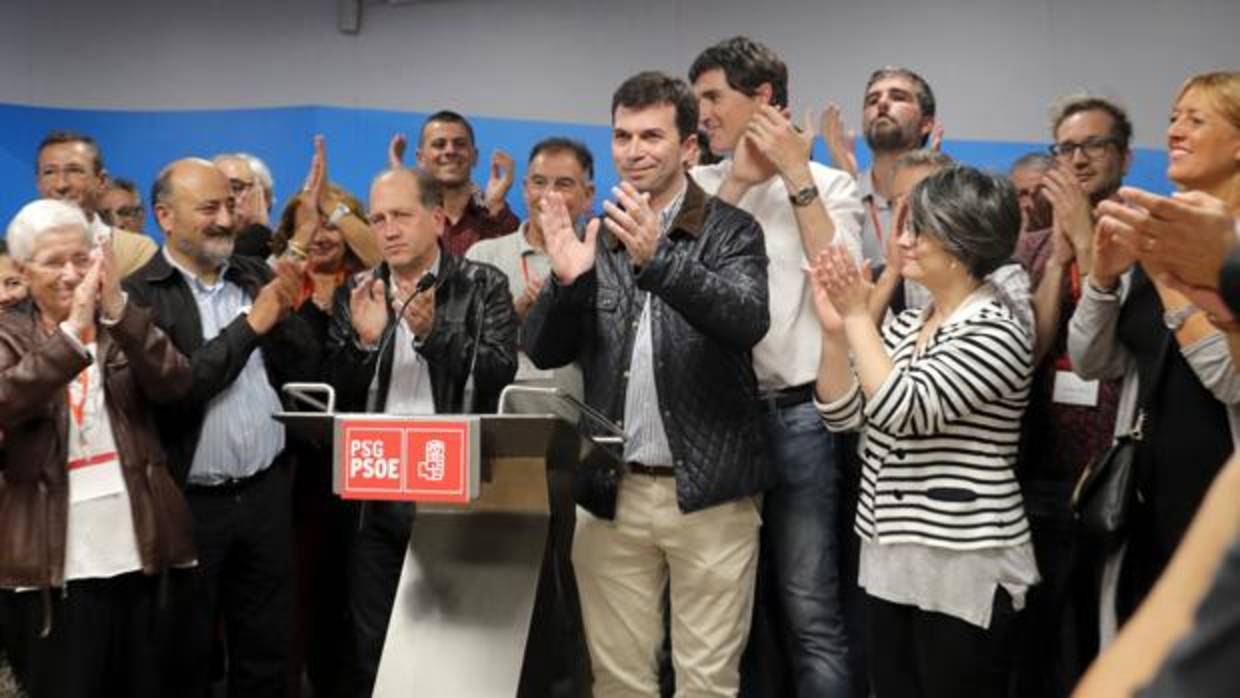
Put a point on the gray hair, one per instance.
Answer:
(262, 173)
(1036, 160)
(924, 157)
(38, 218)
(974, 214)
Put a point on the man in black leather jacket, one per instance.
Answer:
(661, 310)
(457, 323)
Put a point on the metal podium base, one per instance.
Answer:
(463, 606)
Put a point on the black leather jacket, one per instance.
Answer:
(708, 286)
(465, 293)
(290, 350)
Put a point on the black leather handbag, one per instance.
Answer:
(1103, 498)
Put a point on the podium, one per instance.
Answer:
(465, 600)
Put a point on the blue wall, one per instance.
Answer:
(136, 144)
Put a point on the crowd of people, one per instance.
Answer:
(857, 406)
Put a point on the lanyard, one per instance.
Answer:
(77, 408)
(878, 228)
(525, 269)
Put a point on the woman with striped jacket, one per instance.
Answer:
(938, 396)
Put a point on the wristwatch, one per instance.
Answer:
(339, 212)
(1175, 319)
(804, 196)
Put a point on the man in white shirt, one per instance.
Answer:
(802, 207)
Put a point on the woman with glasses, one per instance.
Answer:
(90, 520)
(1132, 325)
(938, 395)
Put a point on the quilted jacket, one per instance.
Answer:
(708, 286)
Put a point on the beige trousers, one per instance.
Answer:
(710, 559)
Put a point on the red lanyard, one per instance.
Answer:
(525, 270)
(77, 408)
(878, 228)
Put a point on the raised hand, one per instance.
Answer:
(828, 317)
(780, 142)
(528, 297)
(1111, 259)
(633, 222)
(936, 137)
(847, 285)
(1073, 213)
(111, 299)
(276, 297)
(749, 165)
(307, 217)
(368, 310)
(1187, 233)
(570, 257)
(420, 312)
(1062, 249)
(841, 143)
(85, 300)
(503, 170)
(396, 151)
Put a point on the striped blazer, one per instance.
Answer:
(940, 436)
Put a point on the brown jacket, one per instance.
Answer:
(140, 367)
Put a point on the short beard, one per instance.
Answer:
(211, 254)
(892, 140)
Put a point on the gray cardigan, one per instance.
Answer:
(1097, 353)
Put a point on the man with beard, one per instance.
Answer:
(447, 151)
(69, 167)
(662, 311)
(231, 318)
(897, 117)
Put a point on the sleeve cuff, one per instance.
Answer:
(73, 339)
(112, 322)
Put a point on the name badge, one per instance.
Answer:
(1071, 389)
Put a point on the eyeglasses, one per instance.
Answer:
(1092, 147)
(240, 186)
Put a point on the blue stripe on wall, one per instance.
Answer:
(136, 144)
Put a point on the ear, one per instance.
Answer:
(926, 127)
(441, 220)
(765, 94)
(163, 217)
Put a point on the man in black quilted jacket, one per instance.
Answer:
(661, 304)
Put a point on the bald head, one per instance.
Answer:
(194, 207)
(407, 217)
(425, 188)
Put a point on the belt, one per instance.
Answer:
(232, 484)
(788, 397)
(651, 470)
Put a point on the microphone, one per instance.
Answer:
(470, 393)
(424, 283)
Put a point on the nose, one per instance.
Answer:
(224, 218)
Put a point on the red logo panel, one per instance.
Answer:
(405, 459)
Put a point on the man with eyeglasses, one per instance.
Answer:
(69, 167)
(1069, 421)
(120, 205)
(250, 183)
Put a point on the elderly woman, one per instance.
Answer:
(90, 519)
(1132, 325)
(946, 557)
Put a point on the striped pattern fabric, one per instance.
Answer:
(940, 436)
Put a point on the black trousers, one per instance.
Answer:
(245, 577)
(376, 556)
(923, 654)
(109, 637)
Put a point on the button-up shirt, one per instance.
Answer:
(645, 438)
(239, 438)
(476, 223)
(409, 390)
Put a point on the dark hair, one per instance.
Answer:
(559, 144)
(4, 248)
(651, 88)
(706, 156)
(1121, 125)
(925, 95)
(124, 185)
(161, 188)
(746, 64)
(447, 116)
(1040, 160)
(58, 137)
(974, 214)
(924, 157)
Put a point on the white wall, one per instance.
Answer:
(995, 65)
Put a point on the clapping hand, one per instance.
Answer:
(841, 143)
(828, 316)
(780, 142)
(368, 310)
(847, 285)
(396, 151)
(570, 257)
(633, 222)
(503, 170)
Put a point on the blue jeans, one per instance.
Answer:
(799, 608)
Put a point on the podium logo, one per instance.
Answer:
(433, 465)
